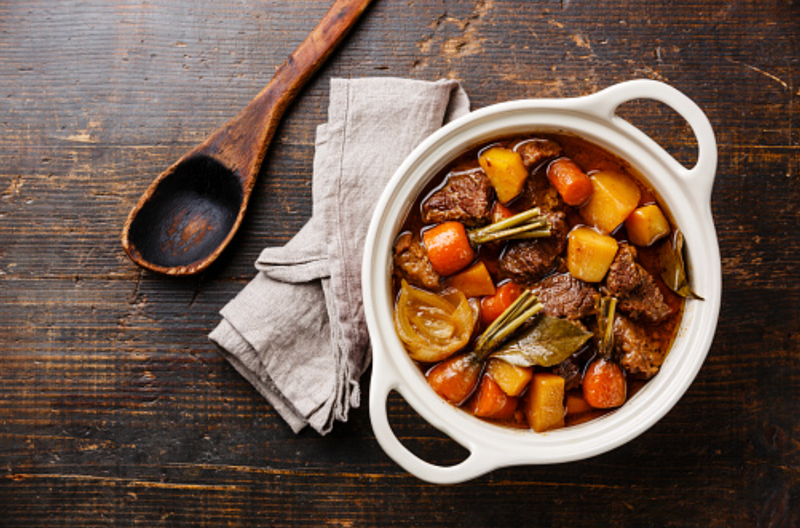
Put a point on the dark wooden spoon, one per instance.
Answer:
(190, 212)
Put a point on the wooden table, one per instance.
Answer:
(115, 409)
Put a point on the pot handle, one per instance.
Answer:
(604, 104)
(473, 466)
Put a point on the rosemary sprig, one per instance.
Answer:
(606, 308)
(527, 224)
(523, 308)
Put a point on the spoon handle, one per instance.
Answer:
(243, 142)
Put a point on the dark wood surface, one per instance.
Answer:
(116, 410)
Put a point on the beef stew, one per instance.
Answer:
(527, 279)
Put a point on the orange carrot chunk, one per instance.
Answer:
(455, 378)
(500, 212)
(604, 384)
(448, 247)
(491, 402)
(570, 181)
(494, 305)
(576, 404)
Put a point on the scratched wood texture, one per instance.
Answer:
(115, 410)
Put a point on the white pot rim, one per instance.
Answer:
(686, 192)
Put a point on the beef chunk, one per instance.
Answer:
(565, 296)
(635, 288)
(535, 151)
(412, 262)
(539, 193)
(570, 371)
(640, 357)
(527, 261)
(466, 197)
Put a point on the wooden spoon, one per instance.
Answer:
(190, 212)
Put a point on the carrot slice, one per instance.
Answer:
(455, 378)
(604, 384)
(576, 404)
(570, 181)
(500, 212)
(491, 402)
(494, 305)
(448, 247)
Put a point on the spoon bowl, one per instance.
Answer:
(189, 216)
(190, 213)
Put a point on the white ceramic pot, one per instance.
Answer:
(687, 194)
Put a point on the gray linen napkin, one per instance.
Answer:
(306, 358)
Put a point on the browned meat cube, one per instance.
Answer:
(527, 261)
(539, 193)
(535, 151)
(634, 288)
(412, 262)
(466, 198)
(570, 371)
(640, 357)
(565, 296)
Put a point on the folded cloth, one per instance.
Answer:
(306, 357)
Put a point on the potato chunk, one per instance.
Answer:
(544, 406)
(474, 281)
(646, 225)
(589, 254)
(505, 170)
(614, 197)
(511, 378)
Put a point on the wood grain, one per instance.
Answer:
(115, 409)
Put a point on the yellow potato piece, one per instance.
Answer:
(589, 254)
(505, 170)
(474, 281)
(646, 225)
(614, 197)
(544, 406)
(511, 378)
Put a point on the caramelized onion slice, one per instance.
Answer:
(433, 327)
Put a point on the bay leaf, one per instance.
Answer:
(548, 342)
(673, 268)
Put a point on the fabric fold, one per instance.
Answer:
(304, 258)
(306, 356)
